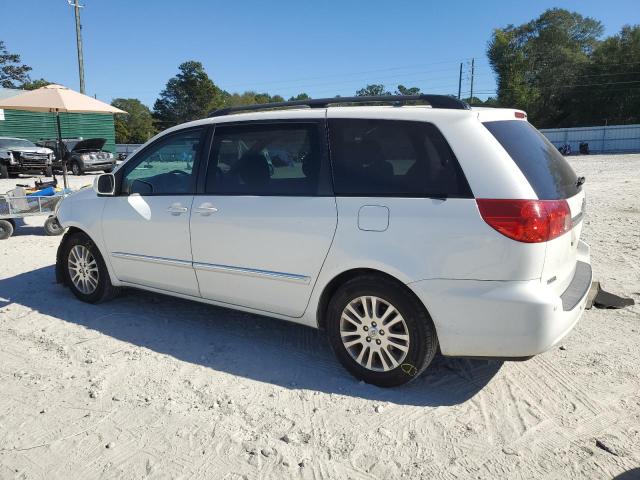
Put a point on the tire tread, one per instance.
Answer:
(419, 313)
(106, 291)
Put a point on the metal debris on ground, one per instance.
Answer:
(600, 298)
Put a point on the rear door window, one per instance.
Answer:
(393, 158)
(547, 171)
(266, 159)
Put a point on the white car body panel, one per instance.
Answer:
(263, 245)
(498, 319)
(488, 295)
(448, 239)
(148, 243)
(562, 252)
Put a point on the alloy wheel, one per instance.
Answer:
(374, 333)
(83, 269)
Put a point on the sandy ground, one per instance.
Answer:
(149, 386)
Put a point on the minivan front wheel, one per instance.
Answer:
(85, 271)
(380, 332)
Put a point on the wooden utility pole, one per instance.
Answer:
(460, 81)
(76, 6)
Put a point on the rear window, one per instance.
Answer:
(393, 158)
(547, 171)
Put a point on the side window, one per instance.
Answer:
(274, 159)
(393, 158)
(166, 167)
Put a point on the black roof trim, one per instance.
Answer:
(435, 101)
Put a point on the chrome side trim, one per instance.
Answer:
(253, 272)
(146, 258)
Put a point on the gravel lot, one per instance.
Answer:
(150, 386)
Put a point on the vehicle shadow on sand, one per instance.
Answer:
(251, 346)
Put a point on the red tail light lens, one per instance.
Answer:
(529, 221)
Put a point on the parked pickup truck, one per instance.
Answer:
(18, 155)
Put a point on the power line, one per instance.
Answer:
(396, 77)
(342, 75)
(607, 84)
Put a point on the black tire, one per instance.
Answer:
(48, 172)
(423, 341)
(6, 229)
(76, 169)
(4, 171)
(104, 290)
(52, 227)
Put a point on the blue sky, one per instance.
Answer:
(324, 48)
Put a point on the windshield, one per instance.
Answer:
(547, 171)
(15, 143)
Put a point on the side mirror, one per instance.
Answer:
(105, 185)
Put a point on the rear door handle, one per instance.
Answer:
(177, 209)
(206, 209)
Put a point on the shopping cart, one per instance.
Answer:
(15, 205)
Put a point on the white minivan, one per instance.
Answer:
(398, 229)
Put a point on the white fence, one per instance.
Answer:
(126, 149)
(605, 139)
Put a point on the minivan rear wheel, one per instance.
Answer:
(380, 331)
(85, 272)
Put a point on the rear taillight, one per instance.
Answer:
(529, 221)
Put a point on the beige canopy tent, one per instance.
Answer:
(56, 99)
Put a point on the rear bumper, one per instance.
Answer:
(504, 319)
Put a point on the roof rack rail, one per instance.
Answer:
(435, 101)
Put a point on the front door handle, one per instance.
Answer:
(177, 209)
(206, 209)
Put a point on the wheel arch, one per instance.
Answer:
(59, 272)
(334, 284)
(71, 230)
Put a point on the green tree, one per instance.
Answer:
(300, 96)
(402, 90)
(537, 61)
(608, 89)
(12, 72)
(491, 102)
(35, 84)
(478, 102)
(249, 98)
(137, 125)
(190, 95)
(121, 129)
(372, 90)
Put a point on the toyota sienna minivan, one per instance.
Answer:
(397, 229)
